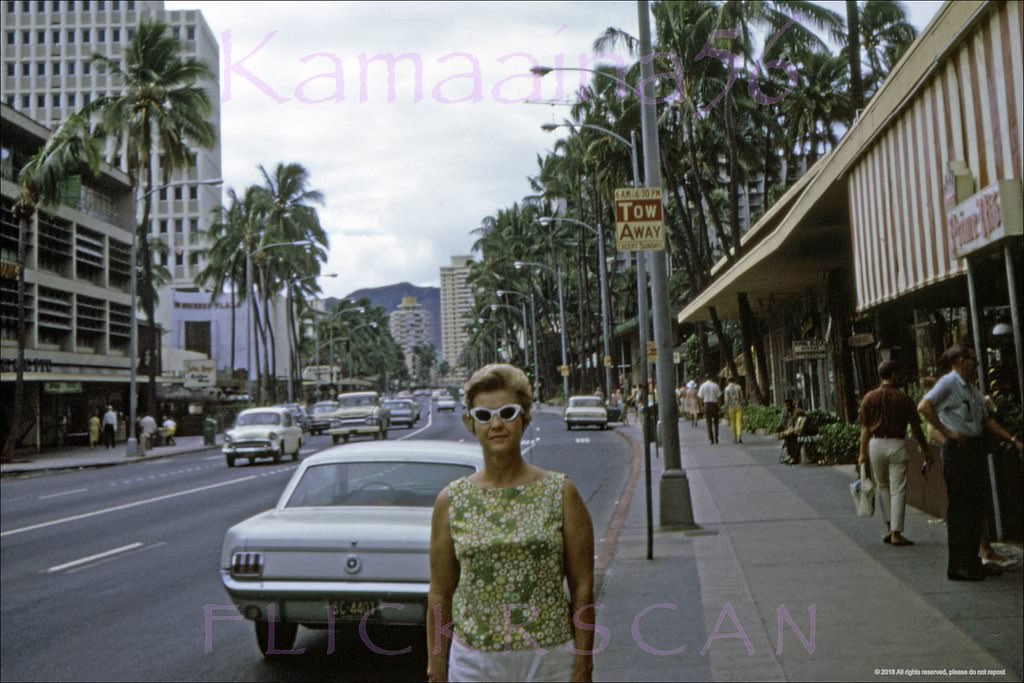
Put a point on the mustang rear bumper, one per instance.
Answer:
(309, 602)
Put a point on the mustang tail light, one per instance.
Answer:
(247, 564)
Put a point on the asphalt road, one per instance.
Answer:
(112, 574)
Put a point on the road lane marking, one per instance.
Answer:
(62, 493)
(430, 421)
(147, 501)
(93, 558)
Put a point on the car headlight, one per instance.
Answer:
(371, 419)
(272, 436)
(335, 423)
(228, 439)
(247, 564)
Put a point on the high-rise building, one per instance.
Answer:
(456, 307)
(47, 74)
(410, 327)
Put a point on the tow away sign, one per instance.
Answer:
(638, 219)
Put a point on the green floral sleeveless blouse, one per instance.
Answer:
(509, 546)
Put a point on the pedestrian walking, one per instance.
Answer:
(956, 409)
(710, 394)
(109, 427)
(885, 414)
(94, 430)
(521, 524)
(734, 402)
(147, 429)
(692, 403)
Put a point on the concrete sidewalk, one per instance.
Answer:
(782, 581)
(83, 456)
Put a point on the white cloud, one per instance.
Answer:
(404, 181)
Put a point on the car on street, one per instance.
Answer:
(319, 417)
(263, 433)
(404, 411)
(446, 402)
(359, 412)
(586, 411)
(299, 413)
(347, 541)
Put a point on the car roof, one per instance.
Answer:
(266, 409)
(415, 449)
(359, 393)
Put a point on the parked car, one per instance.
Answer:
(446, 402)
(262, 433)
(319, 418)
(584, 411)
(359, 412)
(299, 413)
(404, 411)
(348, 540)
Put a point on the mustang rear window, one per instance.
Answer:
(403, 484)
(585, 403)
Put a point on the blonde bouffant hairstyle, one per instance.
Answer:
(498, 377)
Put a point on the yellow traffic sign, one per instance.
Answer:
(652, 352)
(564, 369)
(608, 363)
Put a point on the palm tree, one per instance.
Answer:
(162, 108)
(43, 180)
(287, 199)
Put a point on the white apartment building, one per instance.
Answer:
(410, 326)
(456, 307)
(47, 74)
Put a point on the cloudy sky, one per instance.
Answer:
(408, 164)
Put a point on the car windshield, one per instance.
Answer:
(250, 419)
(414, 484)
(402, 405)
(350, 401)
(585, 402)
(324, 408)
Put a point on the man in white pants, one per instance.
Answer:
(885, 414)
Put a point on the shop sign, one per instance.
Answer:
(639, 224)
(62, 387)
(200, 373)
(986, 218)
(809, 349)
(30, 365)
(861, 340)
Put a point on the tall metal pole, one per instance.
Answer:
(561, 323)
(131, 445)
(605, 320)
(1015, 323)
(536, 363)
(676, 507)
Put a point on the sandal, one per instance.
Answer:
(900, 540)
(887, 539)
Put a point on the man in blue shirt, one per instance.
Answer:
(956, 409)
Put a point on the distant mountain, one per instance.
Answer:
(390, 296)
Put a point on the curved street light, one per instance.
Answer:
(676, 506)
(131, 445)
(533, 319)
(602, 272)
(251, 331)
(291, 349)
(557, 271)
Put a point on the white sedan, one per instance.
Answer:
(584, 411)
(347, 541)
(263, 433)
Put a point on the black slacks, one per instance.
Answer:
(711, 415)
(966, 473)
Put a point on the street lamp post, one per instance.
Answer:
(251, 331)
(526, 348)
(131, 445)
(351, 363)
(336, 315)
(676, 507)
(533, 329)
(291, 350)
(561, 317)
(603, 277)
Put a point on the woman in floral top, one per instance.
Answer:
(503, 542)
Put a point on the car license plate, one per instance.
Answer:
(353, 609)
